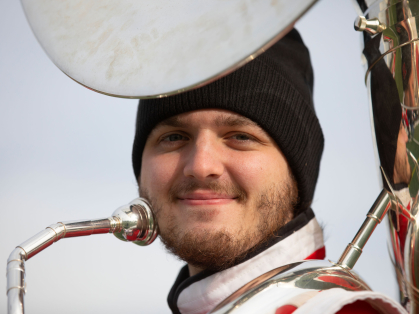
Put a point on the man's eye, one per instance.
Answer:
(174, 138)
(242, 137)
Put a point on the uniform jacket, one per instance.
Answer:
(300, 239)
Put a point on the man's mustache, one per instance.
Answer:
(220, 187)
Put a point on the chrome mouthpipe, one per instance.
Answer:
(133, 222)
(376, 214)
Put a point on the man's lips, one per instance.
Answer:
(205, 198)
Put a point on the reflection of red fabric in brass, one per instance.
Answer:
(285, 309)
(359, 307)
(132, 236)
(404, 117)
(403, 221)
(319, 254)
(395, 240)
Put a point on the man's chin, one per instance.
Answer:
(218, 215)
(198, 217)
(206, 248)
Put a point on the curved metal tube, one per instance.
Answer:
(16, 286)
(376, 214)
(133, 222)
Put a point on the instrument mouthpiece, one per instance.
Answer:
(136, 223)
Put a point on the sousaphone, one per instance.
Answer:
(145, 49)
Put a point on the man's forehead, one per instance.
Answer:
(217, 117)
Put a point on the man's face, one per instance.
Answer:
(218, 183)
(402, 171)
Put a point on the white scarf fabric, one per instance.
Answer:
(202, 296)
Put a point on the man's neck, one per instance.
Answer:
(194, 270)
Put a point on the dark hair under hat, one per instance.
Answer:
(274, 90)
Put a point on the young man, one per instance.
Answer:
(230, 170)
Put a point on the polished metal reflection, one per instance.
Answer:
(137, 222)
(372, 26)
(391, 47)
(141, 48)
(271, 290)
(134, 222)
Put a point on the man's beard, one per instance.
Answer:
(220, 249)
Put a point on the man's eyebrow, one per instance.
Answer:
(175, 122)
(233, 121)
(222, 120)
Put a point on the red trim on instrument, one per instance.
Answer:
(358, 307)
(286, 309)
(319, 254)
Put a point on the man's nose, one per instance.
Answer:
(204, 160)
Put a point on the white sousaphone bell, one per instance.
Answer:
(143, 49)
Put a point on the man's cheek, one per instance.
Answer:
(158, 173)
(250, 174)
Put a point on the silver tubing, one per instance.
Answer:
(376, 214)
(67, 229)
(133, 222)
(38, 243)
(15, 302)
(16, 286)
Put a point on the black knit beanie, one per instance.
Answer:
(274, 90)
